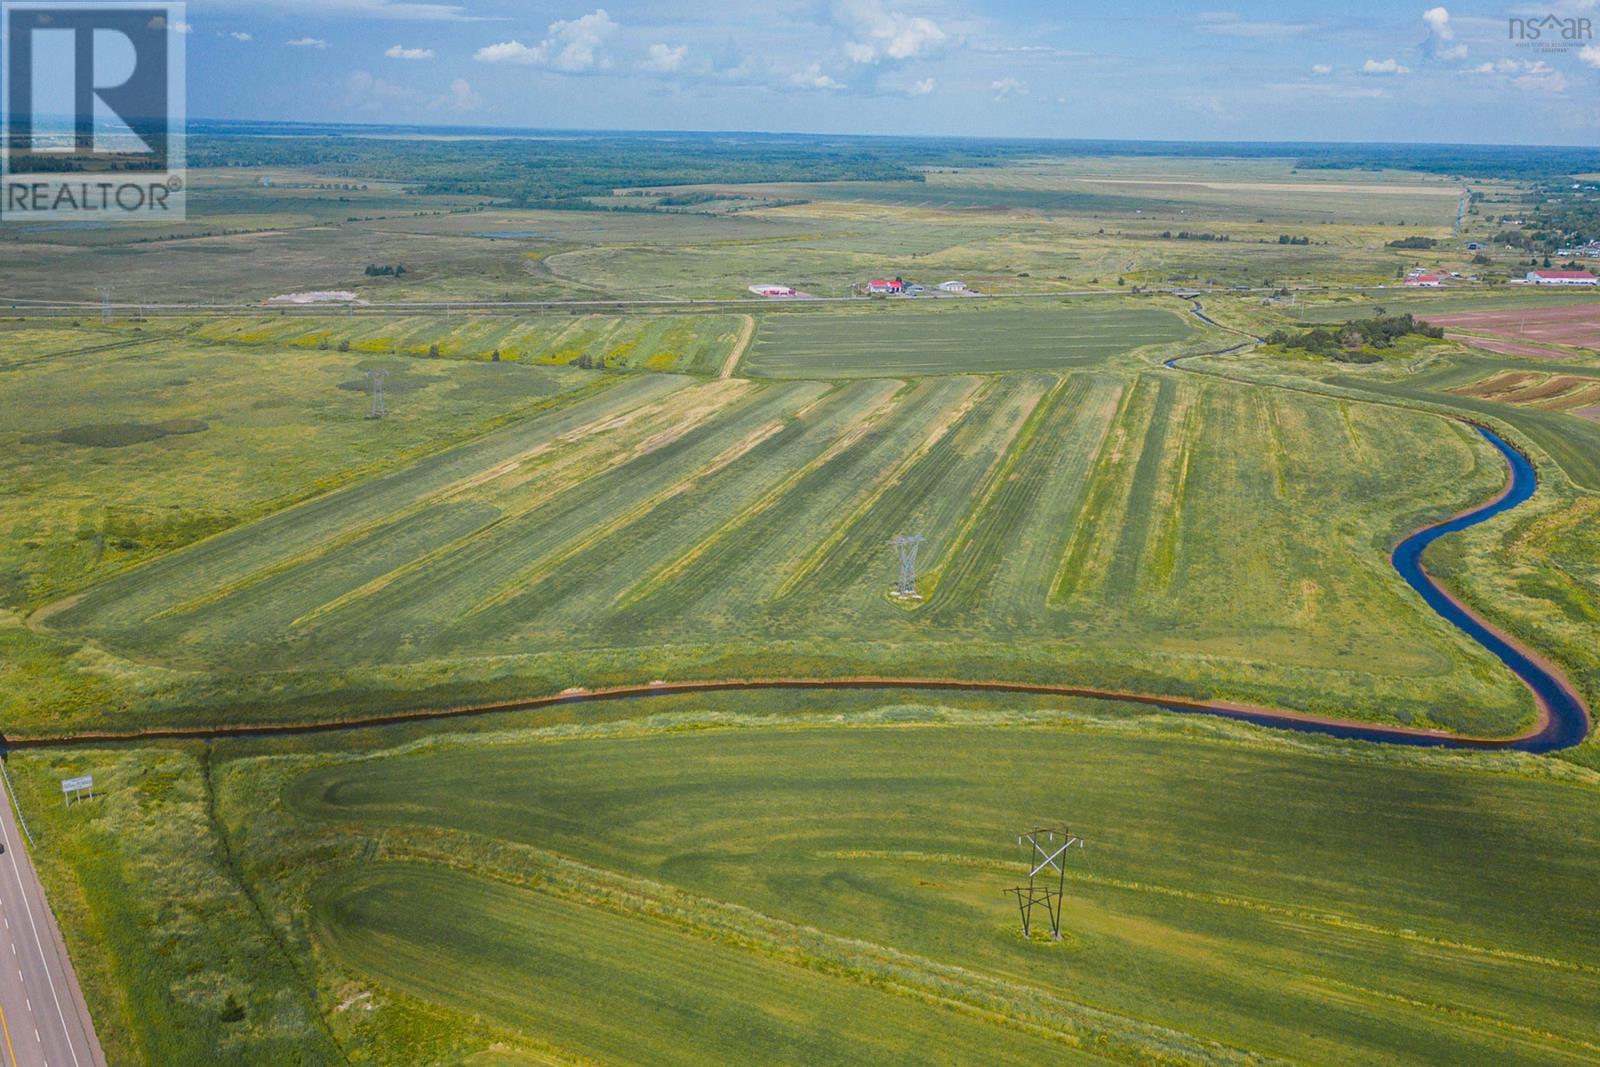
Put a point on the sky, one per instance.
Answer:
(1355, 71)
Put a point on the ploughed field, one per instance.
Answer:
(1141, 529)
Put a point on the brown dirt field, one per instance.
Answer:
(1508, 348)
(1505, 382)
(1589, 413)
(1581, 397)
(1572, 324)
(1545, 390)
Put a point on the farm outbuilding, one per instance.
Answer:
(1561, 277)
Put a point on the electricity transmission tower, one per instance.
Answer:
(907, 547)
(1047, 847)
(105, 302)
(376, 378)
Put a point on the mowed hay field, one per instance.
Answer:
(678, 342)
(892, 341)
(121, 445)
(1147, 530)
(821, 879)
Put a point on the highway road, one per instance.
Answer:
(44, 1021)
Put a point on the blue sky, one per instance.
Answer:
(1285, 71)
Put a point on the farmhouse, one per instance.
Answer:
(1561, 277)
(883, 286)
(1423, 281)
(953, 287)
(773, 290)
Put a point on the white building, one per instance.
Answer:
(953, 287)
(1561, 277)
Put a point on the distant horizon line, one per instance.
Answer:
(592, 130)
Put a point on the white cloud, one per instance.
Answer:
(1321, 68)
(307, 42)
(1546, 81)
(814, 78)
(398, 52)
(366, 92)
(378, 9)
(1535, 67)
(183, 27)
(1589, 55)
(1005, 87)
(878, 33)
(1440, 32)
(1229, 24)
(921, 88)
(1531, 75)
(240, 35)
(1384, 66)
(664, 58)
(460, 99)
(571, 46)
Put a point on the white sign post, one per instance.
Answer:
(77, 788)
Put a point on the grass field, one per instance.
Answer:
(202, 528)
(820, 879)
(1089, 515)
(275, 424)
(687, 343)
(958, 340)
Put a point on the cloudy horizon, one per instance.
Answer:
(1251, 72)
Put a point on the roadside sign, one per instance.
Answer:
(77, 788)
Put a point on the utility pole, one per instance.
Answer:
(1047, 849)
(105, 302)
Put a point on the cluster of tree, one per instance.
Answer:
(385, 271)
(1356, 341)
(1286, 239)
(1414, 242)
(1190, 235)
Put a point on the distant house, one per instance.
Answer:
(953, 287)
(773, 290)
(1561, 277)
(886, 286)
(1423, 281)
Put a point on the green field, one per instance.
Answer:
(204, 529)
(1079, 526)
(957, 340)
(820, 879)
(688, 343)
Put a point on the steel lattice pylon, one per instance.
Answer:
(908, 547)
(380, 406)
(1047, 852)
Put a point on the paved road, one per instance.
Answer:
(43, 1019)
(739, 303)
